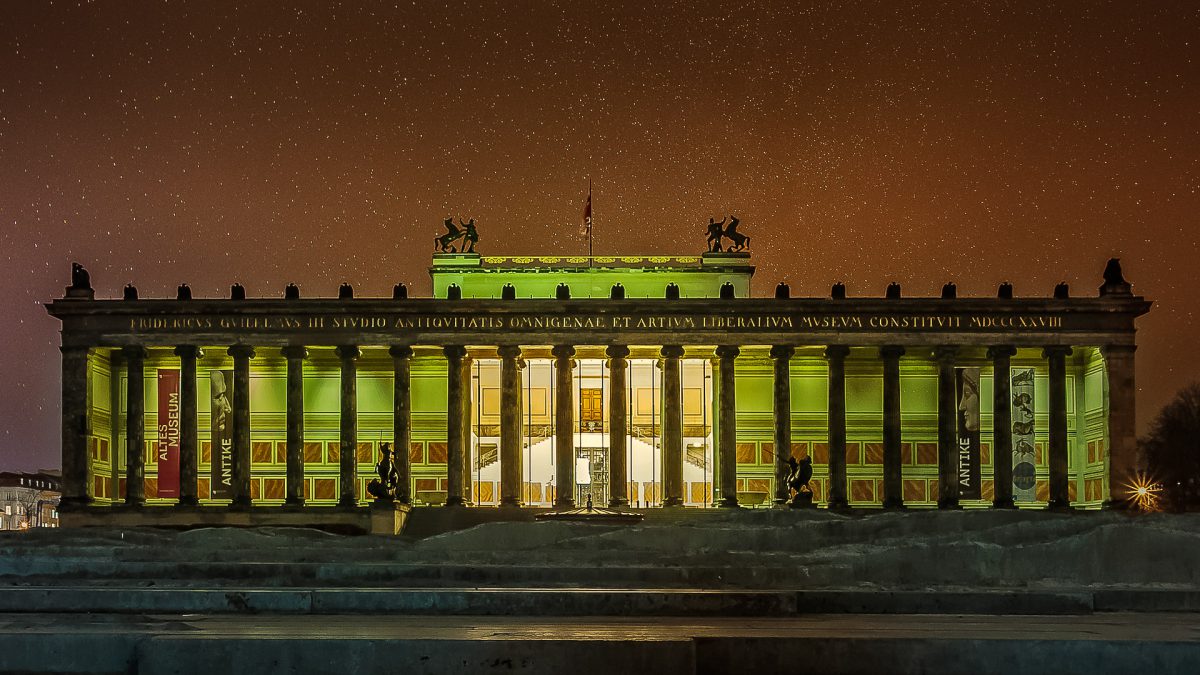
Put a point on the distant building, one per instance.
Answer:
(29, 499)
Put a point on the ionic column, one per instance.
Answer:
(564, 424)
(727, 422)
(135, 426)
(1124, 463)
(947, 429)
(618, 469)
(782, 407)
(188, 425)
(893, 457)
(836, 356)
(454, 424)
(672, 426)
(1002, 450)
(1058, 450)
(467, 478)
(348, 439)
(74, 427)
(240, 470)
(402, 420)
(510, 426)
(295, 355)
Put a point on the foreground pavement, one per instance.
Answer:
(828, 644)
(750, 591)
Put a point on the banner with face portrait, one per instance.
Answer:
(221, 407)
(168, 433)
(969, 474)
(1024, 468)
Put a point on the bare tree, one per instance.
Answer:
(28, 500)
(1172, 449)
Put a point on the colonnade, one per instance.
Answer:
(1118, 359)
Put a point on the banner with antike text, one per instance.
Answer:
(221, 407)
(966, 381)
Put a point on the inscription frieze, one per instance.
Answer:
(596, 322)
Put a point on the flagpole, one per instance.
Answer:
(591, 222)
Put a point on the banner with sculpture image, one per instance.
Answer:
(168, 433)
(221, 409)
(969, 474)
(1023, 459)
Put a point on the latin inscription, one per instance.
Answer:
(600, 323)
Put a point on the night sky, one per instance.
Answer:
(321, 142)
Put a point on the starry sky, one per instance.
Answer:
(321, 142)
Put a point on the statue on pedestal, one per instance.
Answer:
(384, 488)
(464, 233)
(799, 480)
(738, 241)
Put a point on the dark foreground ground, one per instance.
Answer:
(745, 592)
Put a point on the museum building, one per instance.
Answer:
(637, 381)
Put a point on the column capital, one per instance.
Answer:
(1001, 351)
(1117, 351)
(1056, 351)
(563, 351)
(836, 352)
(188, 351)
(454, 352)
(945, 352)
(243, 351)
(891, 351)
(616, 351)
(348, 352)
(509, 351)
(400, 351)
(671, 351)
(782, 352)
(131, 352)
(728, 352)
(294, 352)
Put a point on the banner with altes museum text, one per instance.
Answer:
(168, 432)
(221, 409)
(1024, 450)
(966, 381)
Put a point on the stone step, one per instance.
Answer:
(48, 570)
(543, 601)
(850, 645)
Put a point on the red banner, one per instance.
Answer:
(168, 433)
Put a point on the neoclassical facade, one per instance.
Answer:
(639, 381)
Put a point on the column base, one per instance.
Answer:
(294, 502)
(949, 505)
(840, 505)
(564, 503)
(348, 502)
(240, 503)
(672, 502)
(187, 502)
(1004, 504)
(455, 502)
(894, 504)
(510, 502)
(618, 503)
(74, 503)
(729, 503)
(134, 503)
(1059, 505)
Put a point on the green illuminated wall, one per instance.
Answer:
(696, 279)
(1086, 406)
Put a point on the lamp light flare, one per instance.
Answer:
(1144, 493)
